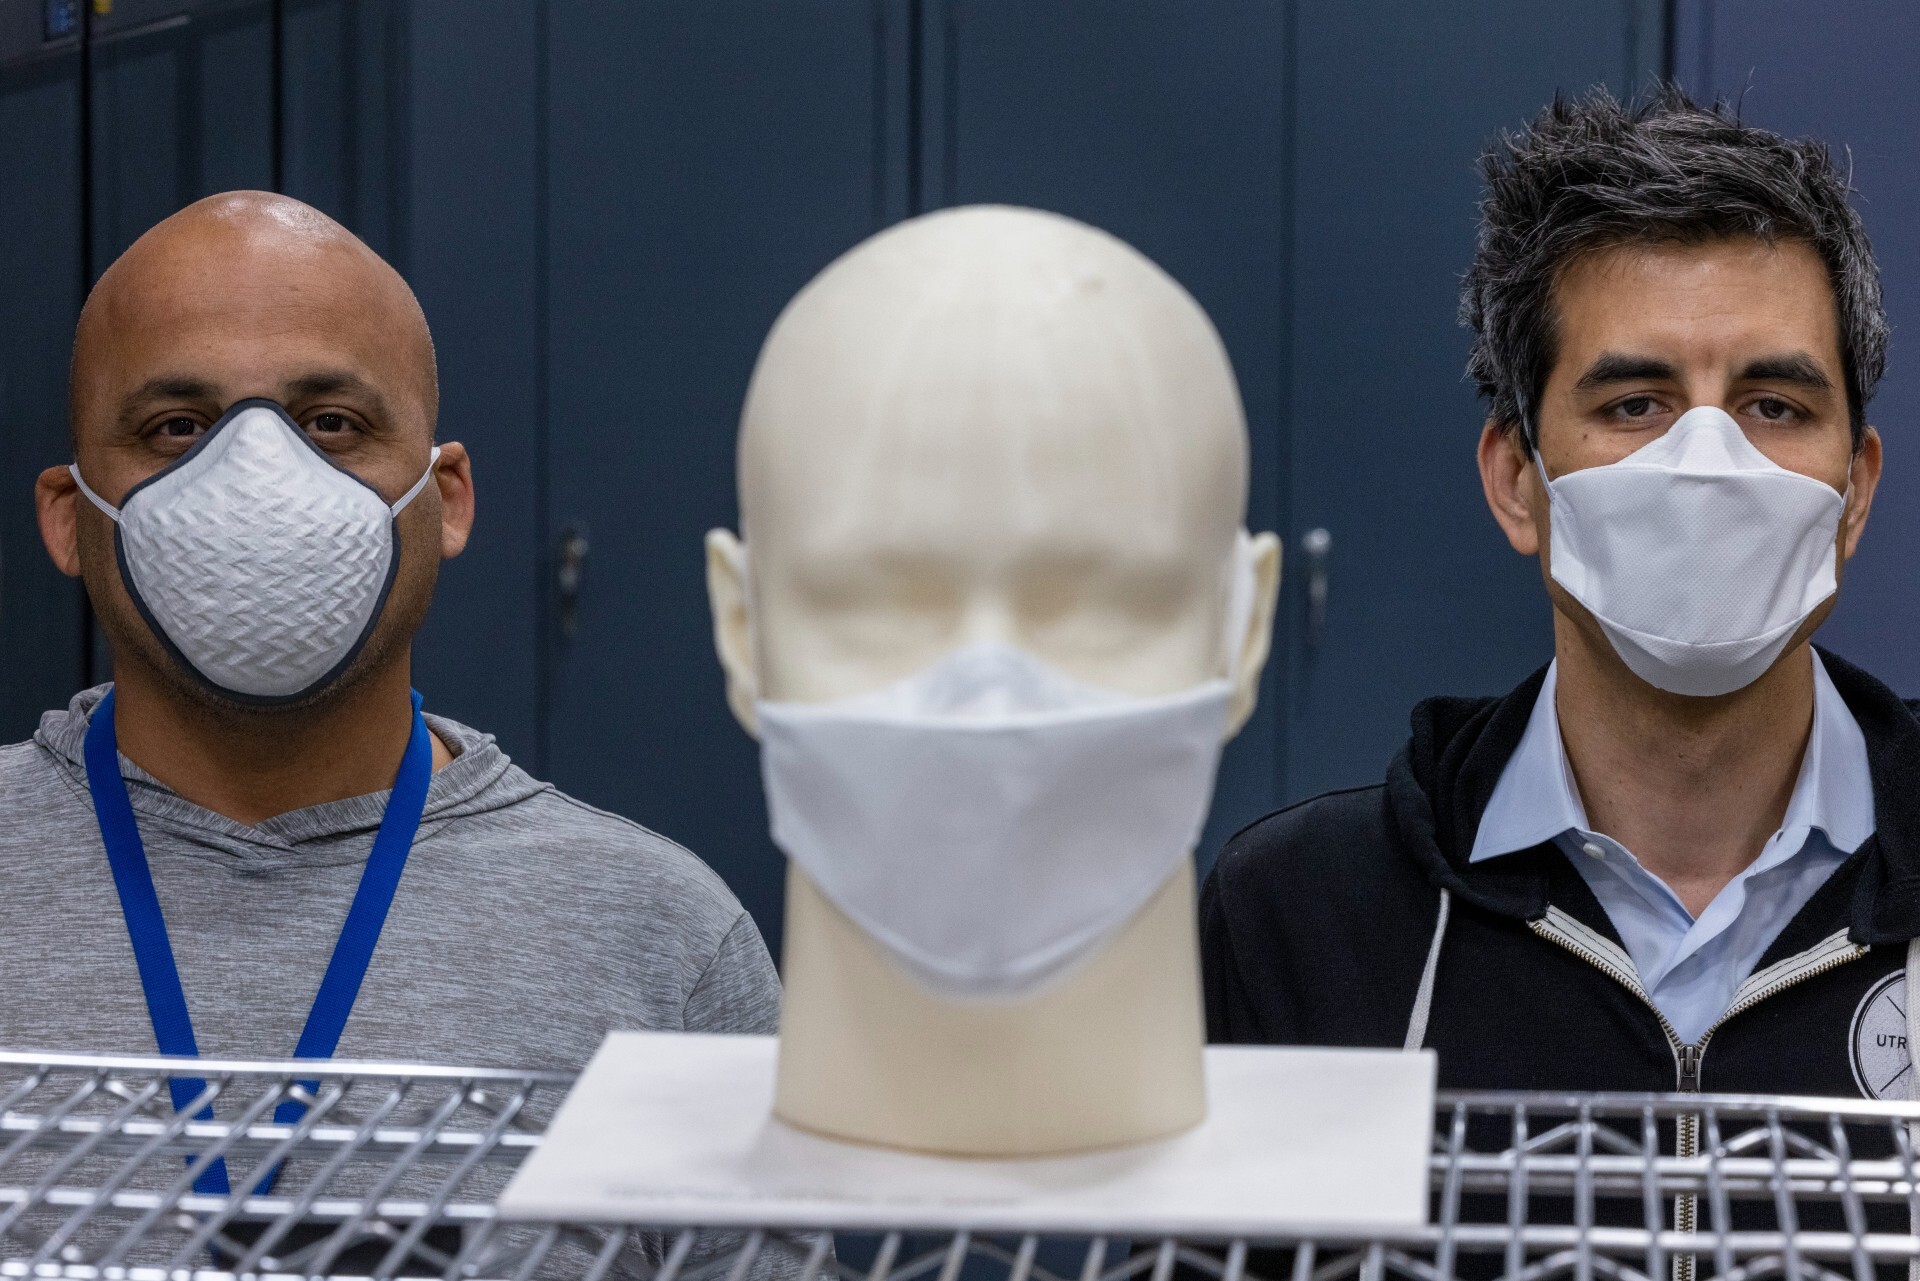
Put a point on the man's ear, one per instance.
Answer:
(54, 497)
(1512, 485)
(1258, 641)
(1864, 476)
(453, 477)
(732, 629)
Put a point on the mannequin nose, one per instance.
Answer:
(989, 619)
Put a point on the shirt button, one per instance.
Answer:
(1594, 850)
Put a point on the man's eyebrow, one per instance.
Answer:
(336, 382)
(1797, 368)
(171, 387)
(327, 382)
(1616, 367)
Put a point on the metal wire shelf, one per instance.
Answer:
(394, 1168)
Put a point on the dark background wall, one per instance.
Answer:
(604, 206)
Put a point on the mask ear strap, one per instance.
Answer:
(1242, 585)
(433, 460)
(1540, 466)
(113, 513)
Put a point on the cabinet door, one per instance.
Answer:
(42, 274)
(1164, 122)
(1306, 170)
(342, 87)
(469, 218)
(1844, 73)
(704, 162)
(182, 106)
(1423, 594)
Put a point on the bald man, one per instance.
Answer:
(258, 510)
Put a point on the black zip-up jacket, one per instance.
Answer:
(1317, 920)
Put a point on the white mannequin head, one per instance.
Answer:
(988, 424)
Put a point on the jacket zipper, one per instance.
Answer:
(1827, 955)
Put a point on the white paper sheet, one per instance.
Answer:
(673, 1130)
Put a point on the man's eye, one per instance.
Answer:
(1772, 410)
(330, 424)
(180, 427)
(1637, 407)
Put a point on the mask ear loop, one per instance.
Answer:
(1532, 439)
(113, 513)
(433, 460)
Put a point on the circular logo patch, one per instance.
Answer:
(1882, 1066)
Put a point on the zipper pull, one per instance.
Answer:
(1689, 1069)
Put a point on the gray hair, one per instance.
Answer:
(1591, 173)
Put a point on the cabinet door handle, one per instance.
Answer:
(570, 568)
(1315, 545)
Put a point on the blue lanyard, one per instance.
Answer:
(167, 1000)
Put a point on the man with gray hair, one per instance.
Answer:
(1685, 854)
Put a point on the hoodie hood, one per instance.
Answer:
(480, 778)
(1439, 785)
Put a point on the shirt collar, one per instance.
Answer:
(1536, 800)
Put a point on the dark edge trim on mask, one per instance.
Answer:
(166, 641)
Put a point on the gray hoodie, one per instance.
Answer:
(526, 925)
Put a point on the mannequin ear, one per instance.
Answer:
(1258, 641)
(732, 632)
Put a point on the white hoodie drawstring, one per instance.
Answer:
(1423, 998)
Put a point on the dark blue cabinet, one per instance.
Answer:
(704, 162)
(42, 276)
(603, 208)
(1395, 103)
(181, 105)
(1169, 124)
(1307, 171)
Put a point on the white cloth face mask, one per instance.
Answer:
(991, 822)
(260, 563)
(1697, 554)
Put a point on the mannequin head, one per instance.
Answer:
(988, 424)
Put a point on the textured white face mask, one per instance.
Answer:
(259, 562)
(991, 822)
(1697, 554)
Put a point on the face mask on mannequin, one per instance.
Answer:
(1697, 554)
(990, 821)
(260, 563)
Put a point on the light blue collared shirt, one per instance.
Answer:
(1691, 967)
